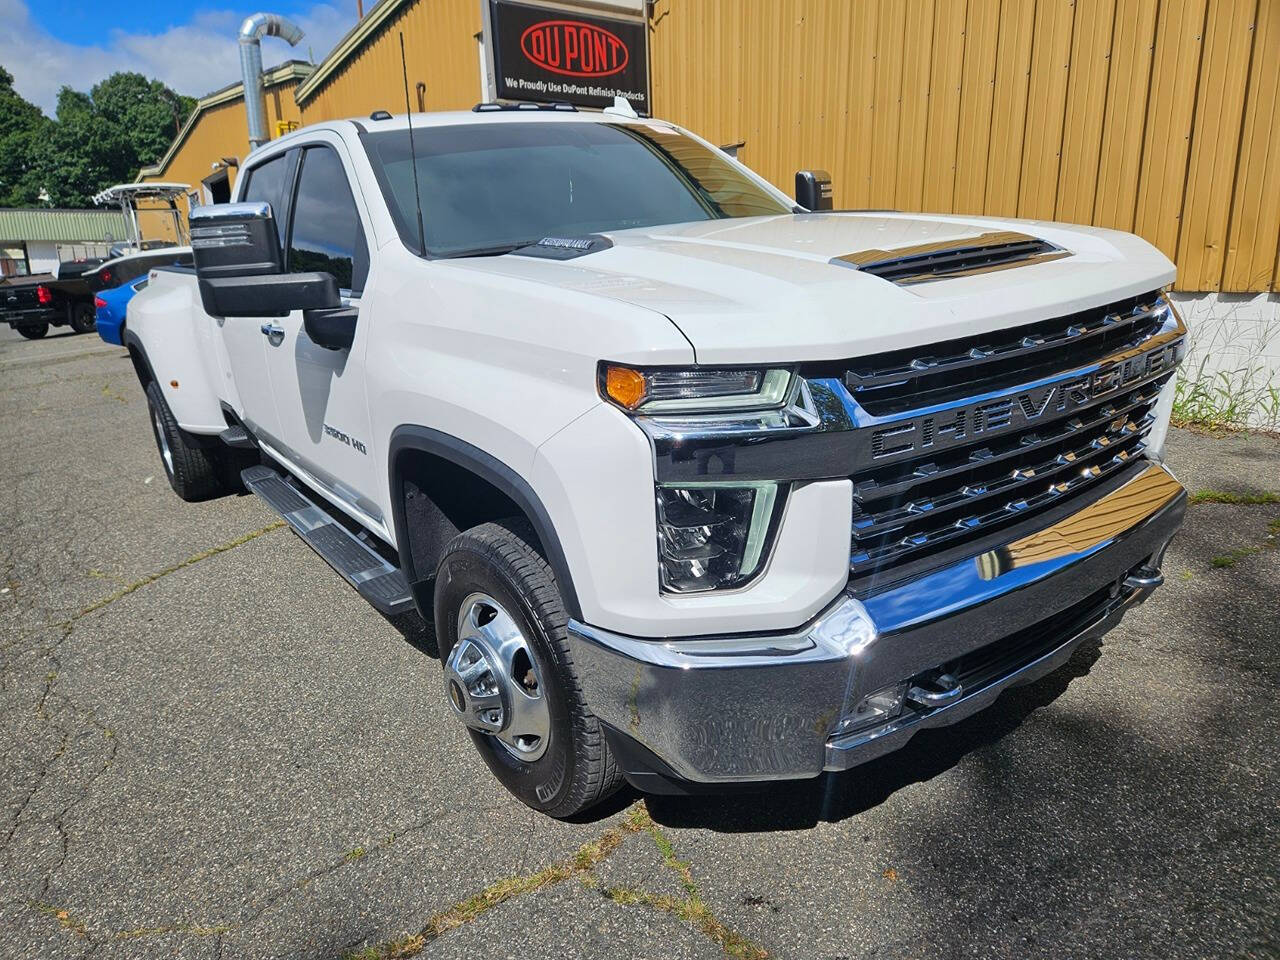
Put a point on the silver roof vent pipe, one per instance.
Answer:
(252, 31)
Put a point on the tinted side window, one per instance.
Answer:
(122, 273)
(327, 236)
(269, 182)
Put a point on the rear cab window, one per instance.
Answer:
(269, 182)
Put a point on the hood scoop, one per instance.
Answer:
(999, 250)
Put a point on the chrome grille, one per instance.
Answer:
(1017, 444)
(907, 379)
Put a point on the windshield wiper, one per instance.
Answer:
(494, 251)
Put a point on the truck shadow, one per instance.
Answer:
(420, 634)
(832, 797)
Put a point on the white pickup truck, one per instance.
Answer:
(697, 482)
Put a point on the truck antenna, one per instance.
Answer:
(413, 152)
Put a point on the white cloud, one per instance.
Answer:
(196, 58)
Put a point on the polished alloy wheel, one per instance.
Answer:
(165, 452)
(492, 680)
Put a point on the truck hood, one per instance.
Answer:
(764, 289)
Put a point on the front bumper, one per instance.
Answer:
(768, 707)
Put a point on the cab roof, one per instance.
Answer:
(380, 121)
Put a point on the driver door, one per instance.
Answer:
(319, 392)
(245, 338)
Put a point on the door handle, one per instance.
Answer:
(273, 332)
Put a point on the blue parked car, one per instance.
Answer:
(110, 305)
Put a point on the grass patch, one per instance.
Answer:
(74, 925)
(690, 909)
(174, 568)
(1235, 556)
(1238, 499)
(66, 919)
(586, 858)
(641, 820)
(1226, 400)
(1242, 553)
(695, 913)
(351, 856)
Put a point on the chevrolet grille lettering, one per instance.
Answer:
(991, 417)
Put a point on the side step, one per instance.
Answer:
(237, 437)
(378, 581)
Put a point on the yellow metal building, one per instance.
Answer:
(218, 131)
(1157, 116)
(363, 73)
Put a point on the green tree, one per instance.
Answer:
(24, 137)
(85, 152)
(102, 137)
(148, 112)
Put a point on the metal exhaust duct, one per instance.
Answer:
(252, 31)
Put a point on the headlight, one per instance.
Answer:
(715, 536)
(694, 389)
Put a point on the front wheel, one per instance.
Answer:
(83, 319)
(502, 632)
(34, 331)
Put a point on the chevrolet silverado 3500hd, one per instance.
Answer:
(697, 483)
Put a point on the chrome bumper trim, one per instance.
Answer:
(765, 707)
(842, 753)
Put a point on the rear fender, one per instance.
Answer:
(171, 340)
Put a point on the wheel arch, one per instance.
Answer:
(138, 354)
(429, 507)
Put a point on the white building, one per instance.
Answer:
(34, 240)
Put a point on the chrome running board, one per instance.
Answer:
(376, 579)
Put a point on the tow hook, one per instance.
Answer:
(1144, 578)
(936, 691)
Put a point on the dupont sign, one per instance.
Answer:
(574, 48)
(550, 54)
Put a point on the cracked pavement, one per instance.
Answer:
(213, 748)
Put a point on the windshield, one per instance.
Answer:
(491, 188)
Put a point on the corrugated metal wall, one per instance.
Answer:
(1156, 116)
(440, 50)
(61, 226)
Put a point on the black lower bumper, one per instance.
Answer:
(31, 318)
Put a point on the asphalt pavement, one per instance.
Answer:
(212, 747)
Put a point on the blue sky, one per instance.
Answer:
(48, 43)
(86, 24)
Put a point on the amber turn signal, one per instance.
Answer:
(625, 386)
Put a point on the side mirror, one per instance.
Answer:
(333, 329)
(235, 240)
(238, 266)
(813, 189)
(270, 295)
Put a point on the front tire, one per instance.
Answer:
(83, 319)
(502, 632)
(194, 471)
(34, 331)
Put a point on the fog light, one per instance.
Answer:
(713, 537)
(874, 709)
